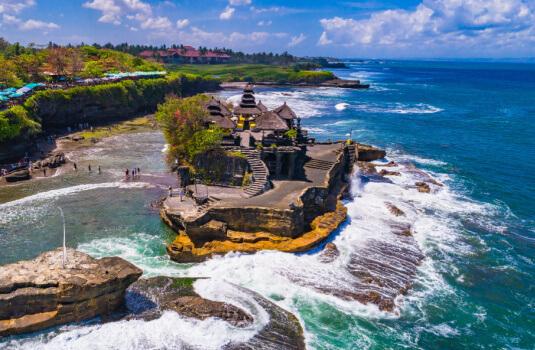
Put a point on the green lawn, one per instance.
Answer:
(253, 73)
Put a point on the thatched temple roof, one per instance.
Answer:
(285, 112)
(270, 121)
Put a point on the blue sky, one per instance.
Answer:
(391, 29)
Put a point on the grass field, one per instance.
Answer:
(253, 73)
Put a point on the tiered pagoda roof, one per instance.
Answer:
(247, 104)
(218, 114)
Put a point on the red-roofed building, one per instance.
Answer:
(186, 54)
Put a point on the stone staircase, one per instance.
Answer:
(260, 179)
(319, 164)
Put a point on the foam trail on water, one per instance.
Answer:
(65, 191)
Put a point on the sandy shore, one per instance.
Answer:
(82, 139)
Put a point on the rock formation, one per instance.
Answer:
(329, 253)
(148, 298)
(184, 250)
(367, 153)
(422, 187)
(18, 176)
(40, 293)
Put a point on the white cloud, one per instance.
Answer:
(159, 23)
(15, 6)
(116, 11)
(296, 40)
(239, 2)
(32, 24)
(182, 23)
(110, 11)
(264, 23)
(227, 13)
(438, 24)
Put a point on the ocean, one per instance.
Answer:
(465, 124)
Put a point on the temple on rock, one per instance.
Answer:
(268, 185)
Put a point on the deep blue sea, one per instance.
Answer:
(468, 125)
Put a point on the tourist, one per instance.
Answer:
(170, 191)
(138, 171)
(126, 173)
(89, 167)
(75, 166)
(44, 172)
(133, 173)
(99, 170)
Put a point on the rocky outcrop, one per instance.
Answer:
(183, 249)
(329, 253)
(347, 84)
(385, 172)
(422, 187)
(149, 298)
(40, 293)
(367, 153)
(20, 175)
(394, 210)
(53, 161)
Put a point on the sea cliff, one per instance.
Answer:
(52, 111)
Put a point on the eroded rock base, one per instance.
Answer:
(184, 250)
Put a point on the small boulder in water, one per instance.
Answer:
(385, 172)
(329, 253)
(394, 210)
(20, 175)
(422, 187)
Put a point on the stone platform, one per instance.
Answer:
(293, 216)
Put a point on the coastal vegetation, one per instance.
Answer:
(20, 64)
(255, 73)
(61, 107)
(182, 123)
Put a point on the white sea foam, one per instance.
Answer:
(293, 279)
(341, 106)
(398, 108)
(66, 191)
(170, 331)
(298, 100)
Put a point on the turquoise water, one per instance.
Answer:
(468, 125)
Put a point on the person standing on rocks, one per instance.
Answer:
(170, 191)
(89, 167)
(99, 170)
(75, 166)
(126, 174)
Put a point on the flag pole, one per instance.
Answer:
(64, 260)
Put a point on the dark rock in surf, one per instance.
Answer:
(20, 175)
(394, 210)
(385, 172)
(177, 294)
(329, 253)
(367, 153)
(422, 187)
(148, 298)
